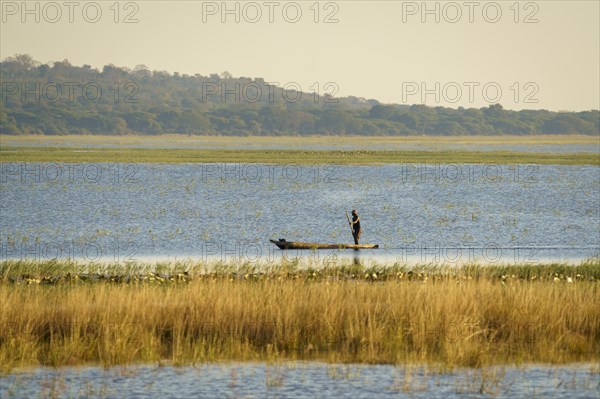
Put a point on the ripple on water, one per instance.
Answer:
(304, 380)
(429, 213)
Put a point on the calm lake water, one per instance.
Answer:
(423, 213)
(303, 380)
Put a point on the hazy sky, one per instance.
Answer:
(524, 55)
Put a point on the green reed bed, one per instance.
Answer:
(61, 271)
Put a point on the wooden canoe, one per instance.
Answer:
(283, 244)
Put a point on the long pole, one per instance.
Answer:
(350, 223)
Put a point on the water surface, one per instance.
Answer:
(424, 213)
(303, 380)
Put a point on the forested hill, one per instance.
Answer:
(64, 99)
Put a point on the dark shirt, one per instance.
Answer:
(356, 222)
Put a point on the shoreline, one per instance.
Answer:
(342, 150)
(56, 140)
(301, 157)
(591, 366)
(345, 269)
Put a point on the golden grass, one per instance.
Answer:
(470, 319)
(283, 156)
(359, 150)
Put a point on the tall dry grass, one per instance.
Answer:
(463, 322)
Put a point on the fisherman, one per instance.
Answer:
(355, 224)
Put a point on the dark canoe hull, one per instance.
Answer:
(316, 245)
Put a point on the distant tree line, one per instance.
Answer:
(63, 99)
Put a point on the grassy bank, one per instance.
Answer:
(341, 157)
(183, 141)
(470, 316)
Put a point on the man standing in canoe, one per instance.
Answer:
(355, 224)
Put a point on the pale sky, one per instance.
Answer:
(373, 49)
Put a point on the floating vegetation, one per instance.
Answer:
(66, 272)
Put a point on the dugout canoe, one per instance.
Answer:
(283, 244)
